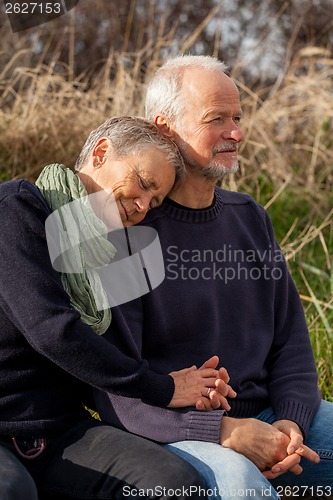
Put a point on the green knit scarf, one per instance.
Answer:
(60, 186)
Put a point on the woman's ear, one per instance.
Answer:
(164, 126)
(99, 153)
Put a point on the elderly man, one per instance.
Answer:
(227, 291)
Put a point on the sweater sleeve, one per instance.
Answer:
(293, 381)
(33, 298)
(163, 425)
(158, 424)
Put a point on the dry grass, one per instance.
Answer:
(45, 114)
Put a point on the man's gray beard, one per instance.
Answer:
(213, 172)
(217, 172)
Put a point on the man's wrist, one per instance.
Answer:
(229, 426)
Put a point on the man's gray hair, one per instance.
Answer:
(164, 92)
(131, 135)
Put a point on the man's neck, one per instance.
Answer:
(194, 192)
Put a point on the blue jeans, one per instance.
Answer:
(230, 475)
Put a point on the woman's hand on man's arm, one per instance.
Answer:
(206, 388)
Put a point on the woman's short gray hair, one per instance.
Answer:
(131, 135)
(164, 92)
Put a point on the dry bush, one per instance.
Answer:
(48, 103)
(47, 111)
(45, 115)
(49, 115)
(289, 127)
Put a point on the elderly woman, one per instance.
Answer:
(52, 349)
(125, 168)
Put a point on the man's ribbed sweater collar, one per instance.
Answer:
(193, 215)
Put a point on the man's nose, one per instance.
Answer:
(233, 132)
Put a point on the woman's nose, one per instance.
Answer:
(142, 204)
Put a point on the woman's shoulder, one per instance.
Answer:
(21, 189)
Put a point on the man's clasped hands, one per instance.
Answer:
(274, 448)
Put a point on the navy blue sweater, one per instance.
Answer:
(46, 352)
(227, 291)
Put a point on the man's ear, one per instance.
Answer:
(163, 124)
(102, 146)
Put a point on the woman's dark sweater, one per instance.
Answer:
(46, 352)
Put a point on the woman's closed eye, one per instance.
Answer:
(143, 183)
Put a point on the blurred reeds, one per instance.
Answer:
(46, 113)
